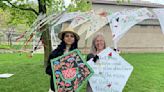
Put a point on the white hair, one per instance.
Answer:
(93, 46)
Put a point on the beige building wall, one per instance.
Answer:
(143, 39)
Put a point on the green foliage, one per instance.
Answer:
(58, 5)
(121, 1)
(81, 5)
(17, 16)
(4, 16)
(76, 5)
(2, 5)
(21, 17)
(13, 17)
(4, 47)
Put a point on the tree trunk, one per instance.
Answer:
(47, 44)
(45, 35)
(10, 40)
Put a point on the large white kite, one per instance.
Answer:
(121, 22)
(67, 16)
(78, 20)
(160, 16)
(111, 72)
(97, 22)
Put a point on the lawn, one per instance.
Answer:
(15, 47)
(148, 74)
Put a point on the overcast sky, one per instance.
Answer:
(155, 1)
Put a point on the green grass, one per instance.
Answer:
(147, 76)
(29, 73)
(148, 73)
(4, 47)
(17, 47)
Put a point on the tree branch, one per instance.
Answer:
(28, 9)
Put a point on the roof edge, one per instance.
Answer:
(136, 4)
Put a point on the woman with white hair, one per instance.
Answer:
(98, 44)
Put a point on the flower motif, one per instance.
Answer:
(56, 62)
(103, 14)
(67, 64)
(66, 57)
(110, 54)
(60, 90)
(57, 75)
(75, 87)
(62, 83)
(69, 73)
(67, 84)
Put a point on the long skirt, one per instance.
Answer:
(89, 89)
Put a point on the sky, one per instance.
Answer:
(67, 2)
(155, 1)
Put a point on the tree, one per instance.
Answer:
(43, 7)
(4, 18)
(13, 22)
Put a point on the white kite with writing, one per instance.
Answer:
(111, 72)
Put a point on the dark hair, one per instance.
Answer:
(62, 46)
